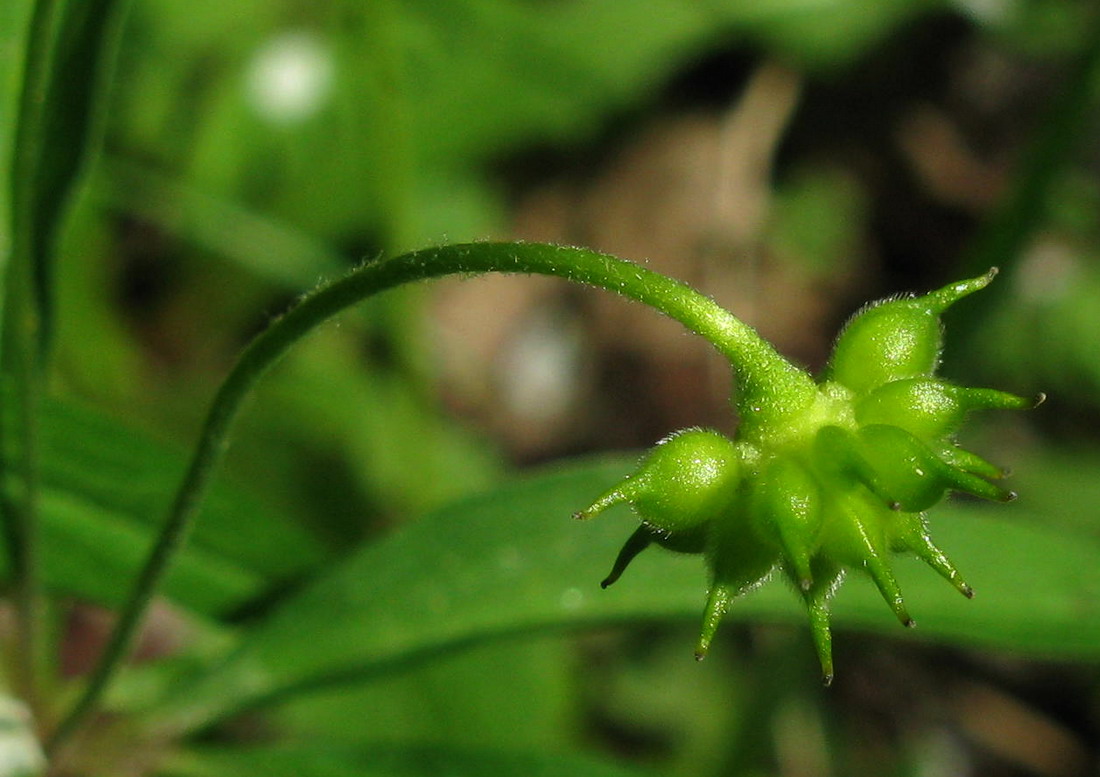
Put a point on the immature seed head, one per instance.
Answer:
(843, 486)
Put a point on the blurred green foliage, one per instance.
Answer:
(251, 149)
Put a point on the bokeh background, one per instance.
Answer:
(792, 159)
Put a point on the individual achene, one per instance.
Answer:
(842, 483)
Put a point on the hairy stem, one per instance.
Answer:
(766, 379)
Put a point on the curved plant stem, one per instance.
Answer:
(766, 379)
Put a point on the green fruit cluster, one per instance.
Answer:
(843, 484)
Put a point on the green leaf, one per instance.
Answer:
(106, 464)
(93, 554)
(515, 693)
(329, 761)
(105, 489)
(826, 33)
(512, 561)
(270, 249)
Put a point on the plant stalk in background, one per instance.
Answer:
(68, 50)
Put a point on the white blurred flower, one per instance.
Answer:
(290, 77)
